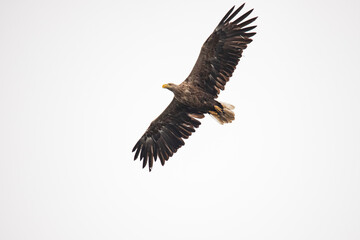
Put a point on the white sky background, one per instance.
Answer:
(80, 81)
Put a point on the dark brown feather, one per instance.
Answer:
(221, 52)
(215, 65)
(226, 15)
(166, 133)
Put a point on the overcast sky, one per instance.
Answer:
(80, 81)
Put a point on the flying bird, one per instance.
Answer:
(196, 95)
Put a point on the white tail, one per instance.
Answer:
(224, 116)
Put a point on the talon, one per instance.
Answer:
(213, 113)
(218, 109)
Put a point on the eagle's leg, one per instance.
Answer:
(218, 109)
(223, 113)
(213, 113)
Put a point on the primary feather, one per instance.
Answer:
(196, 96)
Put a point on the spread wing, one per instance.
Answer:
(166, 133)
(221, 52)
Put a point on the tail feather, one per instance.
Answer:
(226, 115)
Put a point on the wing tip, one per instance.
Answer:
(223, 20)
(227, 18)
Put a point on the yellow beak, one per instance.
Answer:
(165, 86)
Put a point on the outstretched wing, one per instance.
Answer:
(221, 52)
(166, 133)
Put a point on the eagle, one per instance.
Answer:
(197, 94)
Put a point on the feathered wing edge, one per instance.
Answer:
(227, 18)
(219, 56)
(166, 133)
(222, 51)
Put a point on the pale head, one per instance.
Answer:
(170, 86)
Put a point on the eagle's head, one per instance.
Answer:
(170, 86)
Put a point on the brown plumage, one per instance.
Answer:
(196, 96)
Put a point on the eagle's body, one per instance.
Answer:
(196, 96)
(193, 97)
